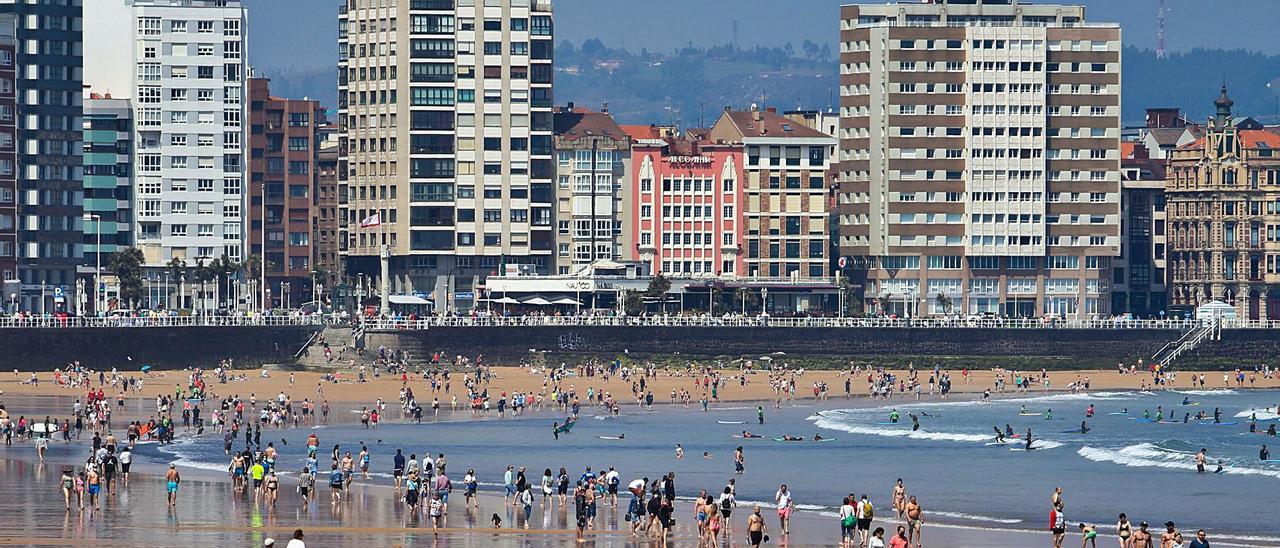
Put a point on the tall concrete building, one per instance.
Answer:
(979, 167)
(1223, 194)
(445, 110)
(8, 163)
(593, 166)
(189, 111)
(283, 151)
(785, 189)
(1139, 276)
(49, 107)
(108, 187)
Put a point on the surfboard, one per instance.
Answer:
(1029, 414)
(886, 422)
(1223, 423)
(42, 428)
(740, 436)
(787, 440)
(1076, 431)
(824, 440)
(731, 422)
(1117, 413)
(611, 437)
(1270, 460)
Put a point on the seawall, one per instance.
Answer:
(43, 349)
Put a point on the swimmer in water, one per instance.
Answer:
(706, 454)
(1008, 431)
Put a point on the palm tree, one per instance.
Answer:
(203, 273)
(177, 266)
(745, 297)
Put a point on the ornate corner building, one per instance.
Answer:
(1224, 216)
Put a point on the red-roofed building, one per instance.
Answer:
(592, 220)
(1223, 194)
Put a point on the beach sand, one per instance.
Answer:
(513, 379)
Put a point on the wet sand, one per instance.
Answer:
(208, 513)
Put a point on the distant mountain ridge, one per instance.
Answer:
(689, 85)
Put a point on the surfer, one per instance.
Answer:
(1186, 417)
(999, 435)
(1220, 469)
(893, 416)
(1200, 458)
(1271, 430)
(1023, 411)
(1084, 427)
(1146, 414)
(1186, 401)
(817, 437)
(1088, 413)
(1028, 439)
(555, 429)
(1008, 431)
(747, 434)
(1217, 415)
(788, 437)
(915, 422)
(1048, 415)
(1264, 454)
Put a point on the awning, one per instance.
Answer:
(566, 300)
(537, 301)
(407, 299)
(504, 300)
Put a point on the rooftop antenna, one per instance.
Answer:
(1160, 12)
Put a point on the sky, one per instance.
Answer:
(302, 34)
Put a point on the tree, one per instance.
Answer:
(852, 302)
(944, 302)
(659, 285)
(746, 298)
(632, 303)
(126, 265)
(204, 273)
(883, 301)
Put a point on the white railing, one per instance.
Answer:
(386, 324)
(54, 322)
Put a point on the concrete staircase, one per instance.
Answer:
(342, 341)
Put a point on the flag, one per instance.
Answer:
(371, 221)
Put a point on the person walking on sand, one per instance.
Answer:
(786, 503)
(172, 479)
(915, 522)
(756, 527)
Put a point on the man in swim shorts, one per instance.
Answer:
(172, 479)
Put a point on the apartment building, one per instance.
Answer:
(108, 185)
(1223, 199)
(325, 221)
(189, 98)
(48, 63)
(445, 110)
(283, 156)
(784, 182)
(687, 210)
(1139, 276)
(979, 161)
(593, 166)
(8, 162)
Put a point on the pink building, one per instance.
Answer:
(688, 206)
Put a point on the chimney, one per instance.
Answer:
(771, 109)
(727, 108)
(755, 112)
(605, 108)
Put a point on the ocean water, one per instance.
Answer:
(951, 464)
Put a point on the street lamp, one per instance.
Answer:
(97, 257)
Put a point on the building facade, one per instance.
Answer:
(979, 167)
(687, 215)
(8, 162)
(283, 149)
(446, 148)
(189, 108)
(784, 187)
(324, 228)
(1139, 276)
(108, 185)
(49, 107)
(1224, 218)
(593, 166)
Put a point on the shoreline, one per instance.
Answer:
(810, 523)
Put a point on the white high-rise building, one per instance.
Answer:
(446, 138)
(188, 95)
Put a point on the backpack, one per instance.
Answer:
(726, 503)
(868, 510)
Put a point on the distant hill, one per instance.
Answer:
(690, 85)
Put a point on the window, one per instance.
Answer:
(298, 143)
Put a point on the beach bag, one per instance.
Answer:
(848, 520)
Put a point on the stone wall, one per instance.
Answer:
(159, 347)
(1058, 348)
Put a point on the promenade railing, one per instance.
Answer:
(54, 322)
(384, 324)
